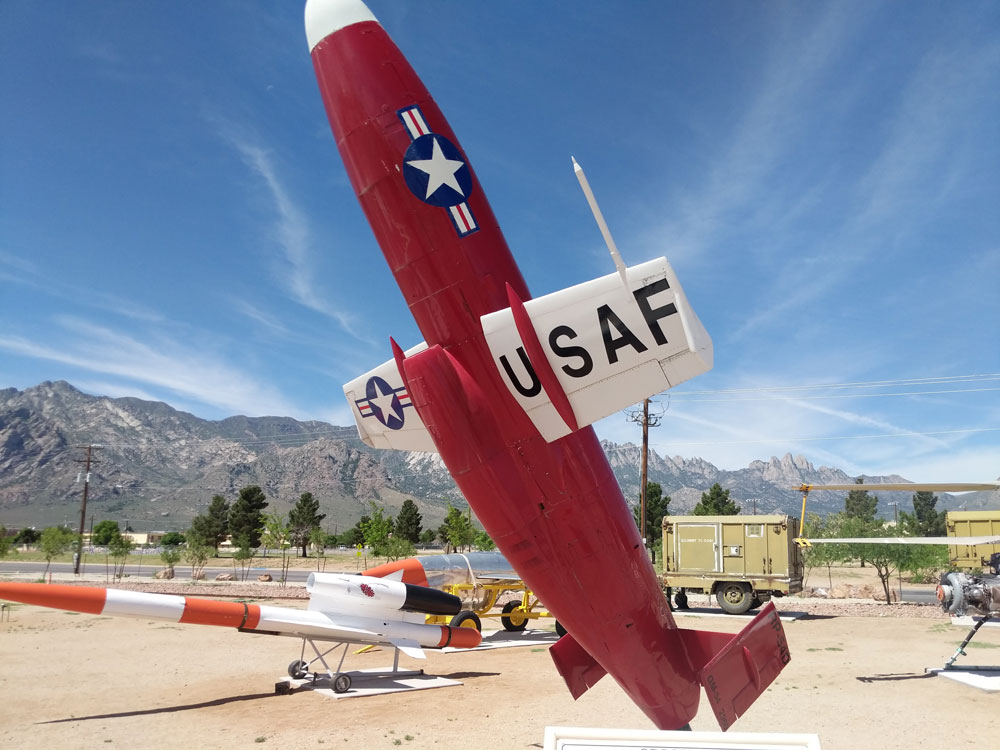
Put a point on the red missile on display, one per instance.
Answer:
(504, 387)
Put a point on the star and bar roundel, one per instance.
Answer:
(384, 403)
(435, 171)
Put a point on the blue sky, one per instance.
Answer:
(176, 224)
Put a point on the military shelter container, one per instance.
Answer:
(742, 560)
(972, 557)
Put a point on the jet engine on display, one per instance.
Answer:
(964, 594)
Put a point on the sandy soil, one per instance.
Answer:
(81, 681)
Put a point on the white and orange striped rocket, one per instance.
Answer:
(342, 608)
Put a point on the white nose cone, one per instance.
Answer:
(323, 17)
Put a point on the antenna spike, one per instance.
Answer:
(599, 217)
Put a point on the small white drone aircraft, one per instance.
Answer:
(343, 609)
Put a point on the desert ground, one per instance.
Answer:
(82, 681)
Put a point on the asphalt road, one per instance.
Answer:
(919, 595)
(295, 575)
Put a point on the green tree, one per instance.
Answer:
(104, 532)
(377, 530)
(27, 536)
(246, 516)
(119, 548)
(427, 536)
(356, 535)
(929, 521)
(483, 541)
(5, 543)
(397, 547)
(303, 518)
(408, 522)
(196, 555)
(243, 556)
(458, 529)
(859, 504)
(823, 555)
(318, 540)
(53, 542)
(170, 555)
(716, 502)
(656, 509)
(211, 528)
(278, 535)
(885, 558)
(442, 536)
(173, 539)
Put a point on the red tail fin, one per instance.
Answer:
(735, 670)
(578, 668)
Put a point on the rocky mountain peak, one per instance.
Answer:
(160, 467)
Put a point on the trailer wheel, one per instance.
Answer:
(342, 683)
(755, 602)
(681, 599)
(467, 619)
(734, 598)
(513, 620)
(298, 669)
(560, 630)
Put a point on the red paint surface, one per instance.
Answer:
(88, 599)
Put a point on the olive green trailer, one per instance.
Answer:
(742, 560)
(972, 557)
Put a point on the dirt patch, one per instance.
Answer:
(82, 681)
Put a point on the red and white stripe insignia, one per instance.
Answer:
(460, 215)
(462, 218)
(414, 121)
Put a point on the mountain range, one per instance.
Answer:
(155, 467)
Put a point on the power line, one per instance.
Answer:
(817, 439)
(859, 384)
(681, 396)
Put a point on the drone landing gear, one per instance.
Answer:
(339, 680)
(299, 669)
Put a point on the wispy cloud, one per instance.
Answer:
(761, 139)
(181, 368)
(28, 274)
(290, 228)
(928, 132)
(268, 322)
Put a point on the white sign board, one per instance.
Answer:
(577, 738)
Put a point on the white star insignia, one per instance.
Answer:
(440, 171)
(383, 402)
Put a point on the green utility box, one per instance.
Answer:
(742, 560)
(972, 557)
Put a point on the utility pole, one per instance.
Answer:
(647, 420)
(83, 503)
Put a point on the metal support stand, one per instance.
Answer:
(960, 651)
(340, 680)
